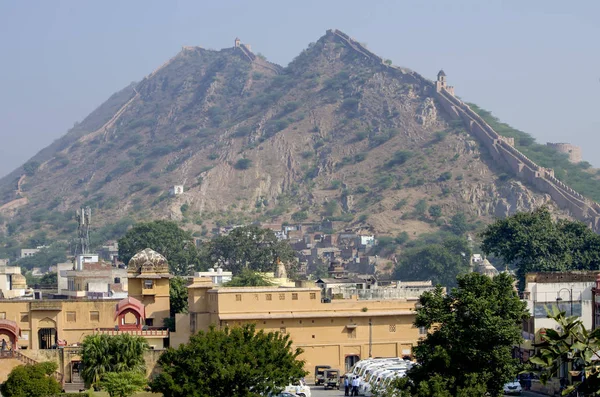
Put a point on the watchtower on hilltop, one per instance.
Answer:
(237, 42)
(441, 83)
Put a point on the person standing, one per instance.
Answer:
(3, 344)
(355, 384)
(346, 386)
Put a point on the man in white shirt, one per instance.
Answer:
(355, 384)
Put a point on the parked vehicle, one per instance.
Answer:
(319, 371)
(513, 388)
(331, 379)
(299, 388)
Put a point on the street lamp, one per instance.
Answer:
(558, 298)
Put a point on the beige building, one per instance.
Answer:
(338, 333)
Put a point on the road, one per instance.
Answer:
(319, 392)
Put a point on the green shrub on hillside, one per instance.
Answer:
(242, 164)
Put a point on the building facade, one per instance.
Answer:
(338, 333)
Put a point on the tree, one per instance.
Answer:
(458, 224)
(231, 362)
(533, 241)
(123, 384)
(572, 343)
(249, 278)
(439, 262)
(49, 279)
(473, 331)
(250, 247)
(178, 296)
(435, 211)
(101, 354)
(31, 168)
(47, 256)
(34, 380)
(166, 238)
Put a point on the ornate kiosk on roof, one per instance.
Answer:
(148, 283)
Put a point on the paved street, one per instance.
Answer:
(319, 392)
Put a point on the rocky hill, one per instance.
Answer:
(339, 133)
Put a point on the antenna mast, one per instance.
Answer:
(84, 217)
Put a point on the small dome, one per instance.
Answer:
(148, 261)
(18, 281)
(441, 73)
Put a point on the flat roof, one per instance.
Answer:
(313, 314)
(225, 290)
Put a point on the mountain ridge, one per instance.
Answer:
(338, 133)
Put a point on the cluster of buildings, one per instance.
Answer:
(336, 320)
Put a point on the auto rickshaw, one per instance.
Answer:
(331, 379)
(319, 372)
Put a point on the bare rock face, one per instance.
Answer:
(337, 133)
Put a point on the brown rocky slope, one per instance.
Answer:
(337, 133)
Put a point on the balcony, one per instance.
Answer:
(148, 291)
(147, 333)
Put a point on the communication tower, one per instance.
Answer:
(84, 217)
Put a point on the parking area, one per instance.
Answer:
(318, 391)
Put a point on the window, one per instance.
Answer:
(24, 317)
(71, 317)
(313, 295)
(148, 284)
(351, 333)
(294, 296)
(422, 330)
(117, 280)
(150, 322)
(268, 297)
(238, 297)
(392, 327)
(281, 297)
(282, 330)
(94, 316)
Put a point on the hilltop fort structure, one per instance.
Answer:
(573, 151)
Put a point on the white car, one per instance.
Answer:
(513, 387)
(299, 388)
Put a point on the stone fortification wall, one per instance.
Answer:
(361, 49)
(573, 151)
(504, 153)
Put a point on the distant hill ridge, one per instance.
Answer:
(339, 134)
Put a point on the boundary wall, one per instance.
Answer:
(520, 165)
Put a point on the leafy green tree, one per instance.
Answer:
(166, 238)
(250, 247)
(439, 262)
(123, 384)
(435, 211)
(47, 256)
(31, 167)
(458, 224)
(101, 354)
(249, 278)
(34, 380)
(178, 295)
(49, 279)
(533, 241)
(472, 332)
(571, 344)
(231, 362)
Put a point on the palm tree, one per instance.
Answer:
(95, 358)
(103, 353)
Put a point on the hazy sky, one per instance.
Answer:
(535, 64)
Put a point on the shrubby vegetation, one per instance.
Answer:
(35, 380)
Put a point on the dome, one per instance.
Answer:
(148, 261)
(18, 281)
(441, 73)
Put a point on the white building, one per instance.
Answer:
(176, 190)
(12, 282)
(218, 276)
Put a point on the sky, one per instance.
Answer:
(534, 64)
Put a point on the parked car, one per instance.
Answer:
(299, 388)
(513, 388)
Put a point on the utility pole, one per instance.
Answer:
(370, 338)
